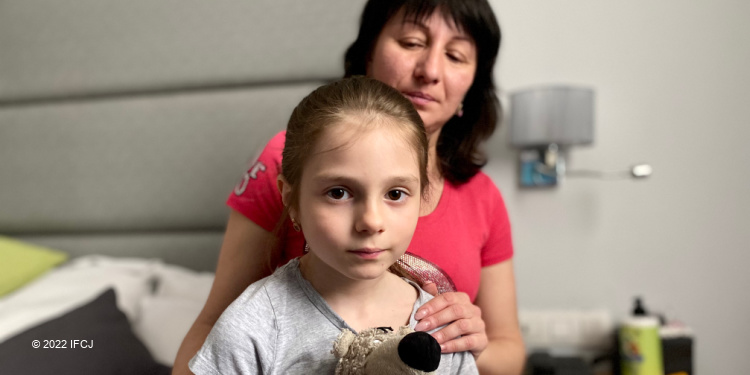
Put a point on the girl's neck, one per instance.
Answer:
(386, 301)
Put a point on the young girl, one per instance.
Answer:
(352, 177)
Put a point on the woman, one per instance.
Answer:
(440, 55)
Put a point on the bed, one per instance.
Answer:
(123, 128)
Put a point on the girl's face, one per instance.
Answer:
(431, 62)
(359, 199)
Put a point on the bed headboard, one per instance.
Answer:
(124, 125)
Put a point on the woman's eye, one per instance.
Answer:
(455, 57)
(338, 193)
(395, 195)
(411, 43)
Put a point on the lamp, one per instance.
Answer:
(544, 122)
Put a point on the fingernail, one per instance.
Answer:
(422, 326)
(420, 314)
(442, 348)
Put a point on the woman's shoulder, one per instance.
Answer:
(479, 181)
(278, 140)
(256, 195)
(272, 151)
(479, 188)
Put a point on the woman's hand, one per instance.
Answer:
(461, 317)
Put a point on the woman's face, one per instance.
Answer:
(431, 62)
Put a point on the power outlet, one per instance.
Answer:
(573, 329)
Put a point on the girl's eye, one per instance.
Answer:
(338, 193)
(395, 195)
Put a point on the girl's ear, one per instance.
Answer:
(285, 189)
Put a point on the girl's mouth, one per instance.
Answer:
(367, 253)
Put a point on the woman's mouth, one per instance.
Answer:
(418, 98)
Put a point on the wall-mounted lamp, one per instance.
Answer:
(544, 122)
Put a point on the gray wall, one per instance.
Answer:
(673, 90)
(124, 125)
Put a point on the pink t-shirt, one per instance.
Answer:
(468, 230)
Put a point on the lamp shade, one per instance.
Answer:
(563, 115)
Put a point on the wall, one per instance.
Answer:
(673, 90)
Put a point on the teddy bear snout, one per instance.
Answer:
(420, 351)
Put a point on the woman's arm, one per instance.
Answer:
(505, 352)
(488, 329)
(241, 262)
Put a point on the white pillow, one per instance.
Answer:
(163, 323)
(176, 281)
(75, 284)
(165, 317)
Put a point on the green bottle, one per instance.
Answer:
(640, 345)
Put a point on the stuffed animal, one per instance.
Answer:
(383, 351)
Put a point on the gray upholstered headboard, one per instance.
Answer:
(124, 125)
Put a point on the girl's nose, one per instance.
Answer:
(369, 218)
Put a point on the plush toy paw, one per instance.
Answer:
(381, 351)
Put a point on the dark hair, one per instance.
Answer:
(460, 138)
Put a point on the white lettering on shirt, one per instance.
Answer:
(252, 173)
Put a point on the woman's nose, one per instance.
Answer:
(429, 66)
(369, 218)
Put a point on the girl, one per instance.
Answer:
(353, 174)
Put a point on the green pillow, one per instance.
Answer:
(23, 262)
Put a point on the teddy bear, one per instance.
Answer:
(381, 351)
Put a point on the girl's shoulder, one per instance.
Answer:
(264, 291)
(422, 298)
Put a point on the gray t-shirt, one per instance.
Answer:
(281, 325)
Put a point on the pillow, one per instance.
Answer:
(110, 347)
(74, 284)
(177, 281)
(23, 262)
(165, 317)
(163, 323)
